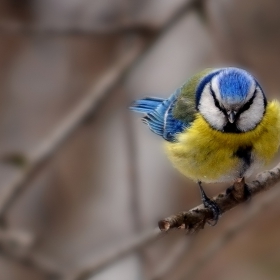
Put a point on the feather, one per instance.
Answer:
(146, 105)
(159, 115)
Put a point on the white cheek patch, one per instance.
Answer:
(213, 115)
(251, 90)
(215, 87)
(251, 117)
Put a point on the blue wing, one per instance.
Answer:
(159, 116)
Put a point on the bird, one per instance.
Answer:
(217, 127)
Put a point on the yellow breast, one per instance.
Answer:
(208, 155)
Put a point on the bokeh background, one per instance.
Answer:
(80, 174)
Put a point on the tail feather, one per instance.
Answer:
(146, 105)
(159, 117)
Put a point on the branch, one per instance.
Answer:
(195, 219)
(230, 233)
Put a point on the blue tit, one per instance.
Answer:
(218, 126)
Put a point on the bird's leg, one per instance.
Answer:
(210, 204)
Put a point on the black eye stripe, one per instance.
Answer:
(241, 110)
(217, 104)
(248, 104)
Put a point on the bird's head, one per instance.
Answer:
(230, 100)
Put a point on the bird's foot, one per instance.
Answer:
(210, 204)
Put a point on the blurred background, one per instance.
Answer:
(80, 174)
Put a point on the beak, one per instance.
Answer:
(231, 116)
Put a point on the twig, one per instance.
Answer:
(231, 233)
(195, 219)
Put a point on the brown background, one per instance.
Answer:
(110, 179)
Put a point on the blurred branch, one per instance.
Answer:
(18, 28)
(124, 26)
(196, 218)
(15, 241)
(192, 220)
(167, 266)
(16, 245)
(226, 36)
(48, 268)
(30, 165)
(85, 108)
(137, 243)
(134, 183)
